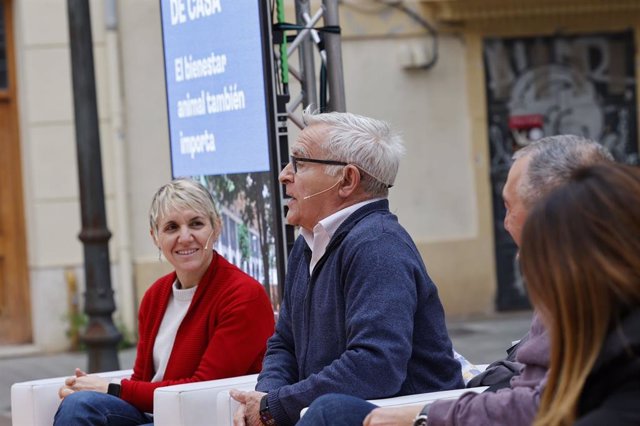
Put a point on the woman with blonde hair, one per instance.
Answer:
(206, 320)
(581, 260)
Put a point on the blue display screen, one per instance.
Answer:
(216, 97)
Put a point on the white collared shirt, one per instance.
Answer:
(318, 240)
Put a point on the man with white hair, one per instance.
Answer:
(537, 169)
(360, 314)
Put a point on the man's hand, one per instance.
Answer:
(82, 381)
(392, 416)
(248, 413)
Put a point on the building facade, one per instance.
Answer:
(505, 73)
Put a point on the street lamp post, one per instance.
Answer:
(101, 336)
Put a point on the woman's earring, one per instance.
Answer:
(159, 255)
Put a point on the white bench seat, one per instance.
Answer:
(34, 403)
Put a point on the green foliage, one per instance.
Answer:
(250, 193)
(77, 323)
(244, 240)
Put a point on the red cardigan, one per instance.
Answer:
(223, 334)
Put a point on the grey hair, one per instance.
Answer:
(184, 193)
(367, 143)
(552, 161)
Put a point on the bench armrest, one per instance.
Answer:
(200, 403)
(424, 398)
(34, 403)
(418, 399)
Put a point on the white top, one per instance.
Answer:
(318, 240)
(176, 310)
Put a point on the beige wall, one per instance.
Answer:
(435, 196)
(442, 194)
(436, 192)
(146, 131)
(49, 156)
(47, 133)
(146, 115)
(49, 150)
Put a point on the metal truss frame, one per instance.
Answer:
(309, 35)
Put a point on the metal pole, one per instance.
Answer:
(335, 78)
(101, 336)
(308, 83)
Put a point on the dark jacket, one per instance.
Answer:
(611, 395)
(367, 323)
(498, 374)
(516, 405)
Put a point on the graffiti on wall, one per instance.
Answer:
(543, 86)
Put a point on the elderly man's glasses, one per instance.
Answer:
(295, 160)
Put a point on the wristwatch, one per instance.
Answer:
(265, 415)
(421, 418)
(114, 389)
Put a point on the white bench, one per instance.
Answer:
(34, 403)
(419, 399)
(203, 403)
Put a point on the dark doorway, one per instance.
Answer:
(543, 86)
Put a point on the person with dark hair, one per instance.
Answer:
(581, 260)
(206, 320)
(514, 383)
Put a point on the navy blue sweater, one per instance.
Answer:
(367, 323)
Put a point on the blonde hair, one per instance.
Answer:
(184, 193)
(581, 261)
